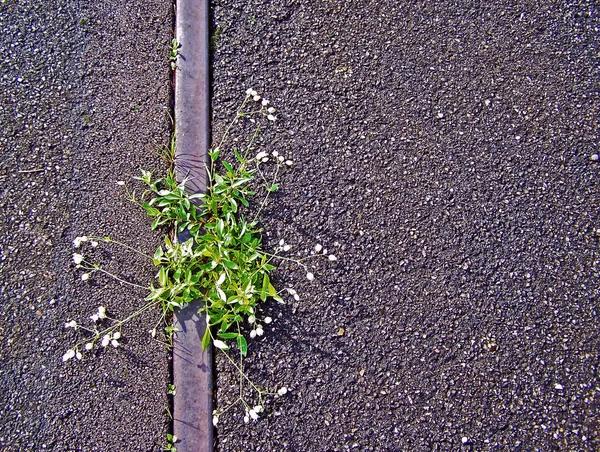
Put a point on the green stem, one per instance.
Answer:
(109, 240)
(267, 195)
(97, 268)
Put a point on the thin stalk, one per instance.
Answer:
(109, 240)
(267, 196)
(97, 268)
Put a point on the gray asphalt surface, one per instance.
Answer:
(85, 91)
(450, 148)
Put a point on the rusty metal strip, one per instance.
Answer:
(192, 367)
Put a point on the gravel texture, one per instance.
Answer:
(450, 149)
(85, 91)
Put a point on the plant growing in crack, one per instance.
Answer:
(223, 264)
(174, 53)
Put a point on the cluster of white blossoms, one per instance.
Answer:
(264, 102)
(99, 315)
(79, 240)
(78, 258)
(293, 293)
(258, 329)
(263, 157)
(283, 246)
(111, 338)
(320, 250)
(253, 413)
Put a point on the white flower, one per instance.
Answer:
(71, 324)
(258, 409)
(324, 250)
(256, 98)
(318, 248)
(94, 317)
(265, 102)
(253, 414)
(271, 110)
(286, 247)
(94, 244)
(116, 335)
(115, 343)
(83, 238)
(251, 319)
(67, 356)
(272, 118)
(153, 332)
(105, 341)
(101, 312)
(275, 154)
(310, 276)
(261, 155)
(282, 391)
(268, 320)
(77, 258)
(246, 419)
(266, 159)
(78, 355)
(89, 346)
(281, 158)
(251, 92)
(259, 330)
(332, 257)
(85, 276)
(289, 162)
(120, 183)
(215, 420)
(77, 242)
(293, 293)
(252, 334)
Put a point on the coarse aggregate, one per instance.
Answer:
(447, 153)
(85, 94)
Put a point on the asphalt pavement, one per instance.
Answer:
(447, 153)
(85, 94)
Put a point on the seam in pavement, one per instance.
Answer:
(192, 366)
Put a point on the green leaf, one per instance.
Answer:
(227, 166)
(206, 339)
(228, 335)
(242, 345)
(238, 156)
(265, 284)
(230, 264)
(241, 182)
(163, 277)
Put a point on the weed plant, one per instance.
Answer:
(223, 264)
